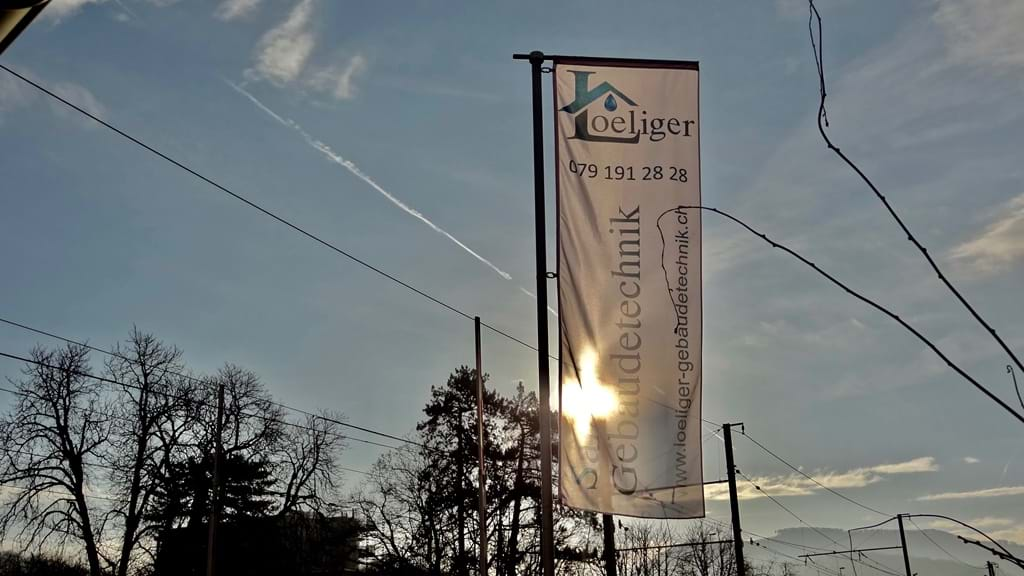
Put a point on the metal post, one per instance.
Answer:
(991, 568)
(737, 532)
(609, 544)
(903, 543)
(540, 230)
(480, 448)
(215, 491)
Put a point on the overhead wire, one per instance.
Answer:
(812, 478)
(937, 545)
(819, 59)
(266, 212)
(205, 382)
(870, 562)
(110, 381)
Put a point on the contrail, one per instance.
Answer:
(534, 296)
(326, 150)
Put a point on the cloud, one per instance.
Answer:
(926, 464)
(967, 495)
(326, 151)
(798, 485)
(60, 9)
(340, 82)
(971, 460)
(15, 95)
(1000, 245)
(234, 9)
(79, 96)
(284, 50)
(983, 32)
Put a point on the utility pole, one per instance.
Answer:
(734, 502)
(609, 544)
(480, 448)
(991, 568)
(903, 543)
(211, 556)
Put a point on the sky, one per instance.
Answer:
(401, 133)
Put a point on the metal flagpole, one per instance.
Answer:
(480, 448)
(737, 532)
(608, 522)
(544, 389)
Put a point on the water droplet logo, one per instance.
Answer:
(610, 104)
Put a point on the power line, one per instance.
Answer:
(819, 60)
(874, 563)
(204, 382)
(260, 208)
(783, 506)
(962, 523)
(872, 303)
(177, 397)
(944, 551)
(811, 478)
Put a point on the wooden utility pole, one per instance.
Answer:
(211, 554)
(734, 502)
(903, 543)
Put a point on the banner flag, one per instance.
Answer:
(629, 268)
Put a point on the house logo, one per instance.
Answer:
(581, 108)
(605, 113)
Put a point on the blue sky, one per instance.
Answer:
(424, 101)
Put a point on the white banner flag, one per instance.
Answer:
(629, 270)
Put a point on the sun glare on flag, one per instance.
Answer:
(586, 399)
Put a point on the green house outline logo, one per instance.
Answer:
(584, 97)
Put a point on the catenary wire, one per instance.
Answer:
(819, 60)
(811, 478)
(936, 544)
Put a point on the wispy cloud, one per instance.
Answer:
(234, 9)
(15, 95)
(798, 485)
(983, 32)
(971, 460)
(1000, 245)
(60, 9)
(926, 464)
(340, 81)
(970, 494)
(285, 49)
(328, 153)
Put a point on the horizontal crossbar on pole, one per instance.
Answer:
(852, 551)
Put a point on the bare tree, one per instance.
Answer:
(306, 464)
(703, 557)
(51, 440)
(396, 505)
(154, 401)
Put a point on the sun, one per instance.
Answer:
(586, 399)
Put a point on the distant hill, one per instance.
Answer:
(928, 552)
